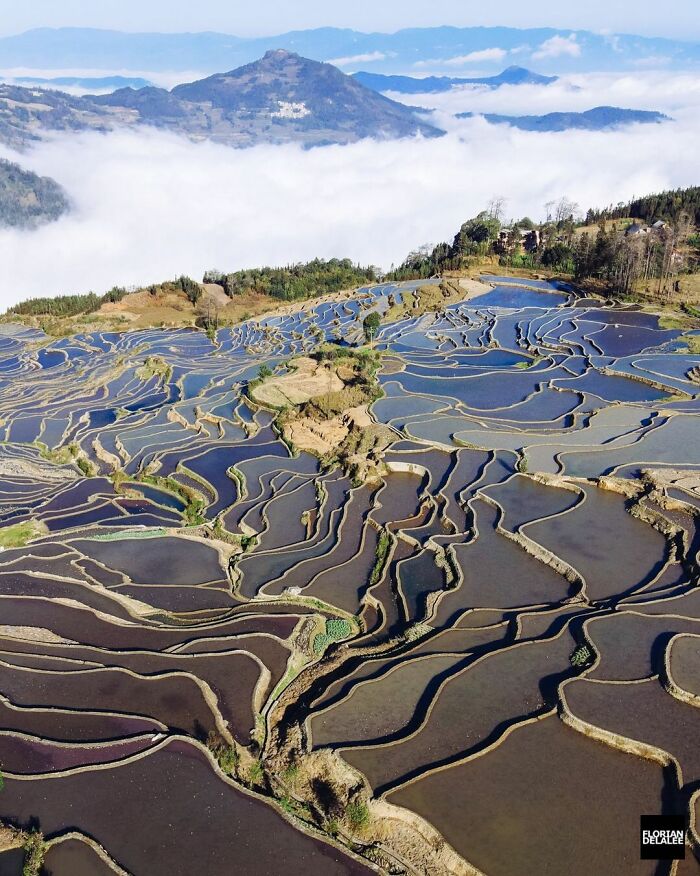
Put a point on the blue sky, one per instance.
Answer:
(672, 18)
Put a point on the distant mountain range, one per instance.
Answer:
(436, 84)
(600, 118)
(89, 83)
(27, 200)
(280, 98)
(437, 49)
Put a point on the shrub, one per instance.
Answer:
(227, 756)
(357, 814)
(580, 656)
(332, 827)
(228, 760)
(85, 466)
(34, 851)
(370, 325)
(291, 772)
(256, 773)
(191, 288)
(383, 545)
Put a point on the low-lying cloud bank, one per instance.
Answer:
(677, 95)
(148, 206)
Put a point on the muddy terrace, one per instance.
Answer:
(469, 643)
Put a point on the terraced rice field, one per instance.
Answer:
(220, 655)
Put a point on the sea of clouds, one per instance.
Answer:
(148, 206)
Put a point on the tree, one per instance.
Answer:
(582, 256)
(208, 314)
(557, 256)
(370, 325)
(496, 208)
(565, 209)
(191, 288)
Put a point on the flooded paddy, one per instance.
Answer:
(77, 858)
(168, 843)
(546, 800)
(190, 594)
(613, 551)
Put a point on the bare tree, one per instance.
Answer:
(496, 207)
(672, 237)
(565, 209)
(208, 312)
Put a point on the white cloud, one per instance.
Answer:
(558, 46)
(476, 57)
(672, 93)
(367, 58)
(150, 205)
(481, 56)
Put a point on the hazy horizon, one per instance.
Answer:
(677, 19)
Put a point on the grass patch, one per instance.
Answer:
(671, 321)
(691, 310)
(336, 630)
(291, 773)
(154, 366)
(85, 466)
(530, 363)
(158, 532)
(430, 297)
(58, 456)
(256, 773)
(194, 503)
(34, 851)
(692, 343)
(19, 534)
(357, 814)
(295, 808)
(522, 464)
(381, 554)
(227, 756)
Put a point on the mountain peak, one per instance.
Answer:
(277, 55)
(281, 97)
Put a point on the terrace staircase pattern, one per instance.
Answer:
(221, 656)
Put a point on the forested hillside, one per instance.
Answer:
(26, 199)
(293, 282)
(667, 206)
(647, 243)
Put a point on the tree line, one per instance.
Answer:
(560, 243)
(90, 302)
(67, 305)
(289, 283)
(295, 282)
(667, 206)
